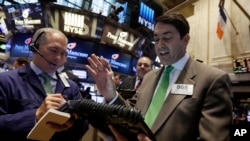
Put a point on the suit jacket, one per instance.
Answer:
(204, 115)
(127, 88)
(21, 93)
(128, 83)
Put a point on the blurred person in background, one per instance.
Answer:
(143, 66)
(117, 80)
(20, 62)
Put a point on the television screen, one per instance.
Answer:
(20, 45)
(24, 18)
(3, 28)
(77, 4)
(146, 16)
(79, 50)
(241, 65)
(133, 66)
(81, 74)
(2, 48)
(119, 61)
(100, 7)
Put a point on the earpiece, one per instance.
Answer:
(34, 45)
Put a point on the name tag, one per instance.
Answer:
(185, 89)
(63, 76)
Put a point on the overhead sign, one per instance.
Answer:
(119, 61)
(93, 26)
(20, 45)
(146, 16)
(74, 24)
(78, 50)
(119, 36)
(24, 18)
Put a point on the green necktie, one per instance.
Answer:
(46, 83)
(158, 99)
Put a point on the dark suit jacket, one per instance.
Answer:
(204, 115)
(126, 89)
(21, 93)
(128, 83)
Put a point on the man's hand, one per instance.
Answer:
(102, 73)
(53, 101)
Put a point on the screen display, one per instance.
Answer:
(79, 50)
(119, 61)
(77, 4)
(133, 66)
(81, 74)
(146, 16)
(24, 18)
(20, 45)
(241, 65)
(2, 48)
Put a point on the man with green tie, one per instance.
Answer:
(191, 101)
(26, 94)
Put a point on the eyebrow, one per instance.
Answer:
(165, 33)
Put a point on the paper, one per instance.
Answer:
(42, 132)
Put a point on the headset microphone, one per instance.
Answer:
(52, 64)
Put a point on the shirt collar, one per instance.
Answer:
(38, 71)
(179, 65)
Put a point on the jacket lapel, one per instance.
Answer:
(145, 94)
(173, 100)
(33, 83)
(59, 86)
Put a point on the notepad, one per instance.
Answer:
(42, 132)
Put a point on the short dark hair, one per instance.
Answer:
(177, 20)
(21, 61)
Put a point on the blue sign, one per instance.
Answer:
(146, 16)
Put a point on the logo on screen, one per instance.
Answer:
(71, 45)
(115, 56)
(28, 41)
(146, 16)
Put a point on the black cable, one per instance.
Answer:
(128, 121)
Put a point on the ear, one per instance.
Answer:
(186, 39)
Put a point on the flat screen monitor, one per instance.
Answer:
(20, 45)
(77, 4)
(81, 74)
(79, 50)
(241, 65)
(24, 18)
(146, 16)
(133, 65)
(2, 48)
(119, 61)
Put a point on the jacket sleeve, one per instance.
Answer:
(80, 126)
(215, 120)
(11, 123)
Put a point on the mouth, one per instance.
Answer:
(162, 53)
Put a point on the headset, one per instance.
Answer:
(34, 45)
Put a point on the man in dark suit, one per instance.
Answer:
(24, 100)
(197, 102)
(143, 65)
